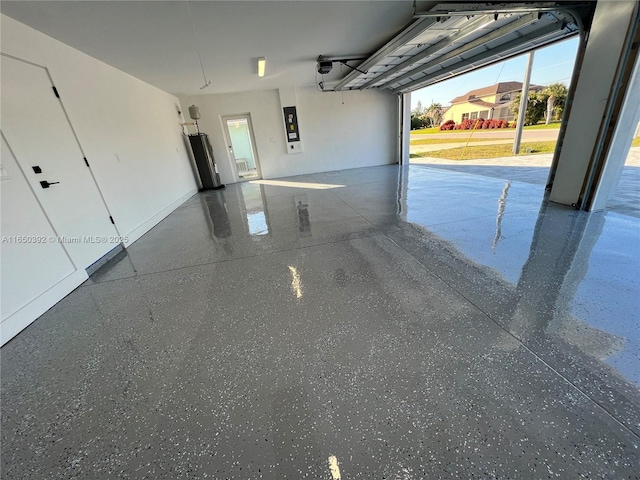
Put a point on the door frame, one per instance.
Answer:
(73, 130)
(230, 156)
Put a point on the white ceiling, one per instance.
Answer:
(152, 40)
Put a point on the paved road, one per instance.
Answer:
(443, 146)
(466, 138)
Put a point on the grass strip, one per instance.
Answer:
(436, 141)
(490, 151)
(495, 151)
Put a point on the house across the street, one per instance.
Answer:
(487, 102)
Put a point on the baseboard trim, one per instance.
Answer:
(95, 266)
(143, 228)
(18, 321)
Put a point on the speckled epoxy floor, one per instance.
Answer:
(411, 323)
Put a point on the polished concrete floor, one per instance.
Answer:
(380, 323)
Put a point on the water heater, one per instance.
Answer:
(194, 112)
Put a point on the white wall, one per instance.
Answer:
(129, 130)
(335, 136)
(131, 134)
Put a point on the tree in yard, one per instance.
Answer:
(536, 105)
(418, 111)
(416, 116)
(434, 113)
(557, 95)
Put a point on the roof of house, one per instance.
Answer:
(474, 96)
(481, 103)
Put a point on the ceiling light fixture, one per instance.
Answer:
(262, 64)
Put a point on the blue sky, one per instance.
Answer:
(550, 64)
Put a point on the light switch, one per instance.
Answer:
(294, 147)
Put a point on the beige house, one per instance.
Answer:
(487, 102)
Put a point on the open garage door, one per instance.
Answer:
(451, 39)
(454, 38)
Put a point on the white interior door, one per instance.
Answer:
(40, 135)
(238, 133)
(35, 270)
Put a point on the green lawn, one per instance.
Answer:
(490, 151)
(494, 151)
(436, 141)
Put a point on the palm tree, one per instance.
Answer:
(434, 113)
(557, 92)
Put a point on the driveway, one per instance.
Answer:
(535, 169)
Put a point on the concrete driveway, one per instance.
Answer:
(535, 169)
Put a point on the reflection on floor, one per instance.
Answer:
(625, 198)
(394, 323)
(248, 173)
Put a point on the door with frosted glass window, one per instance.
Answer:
(241, 147)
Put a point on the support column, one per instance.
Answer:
(608, 44)
(405, 126)
(621, 142)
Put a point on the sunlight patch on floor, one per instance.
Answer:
(282, 183)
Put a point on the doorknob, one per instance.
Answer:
(45, 184)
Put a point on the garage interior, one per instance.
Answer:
(343, 315)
